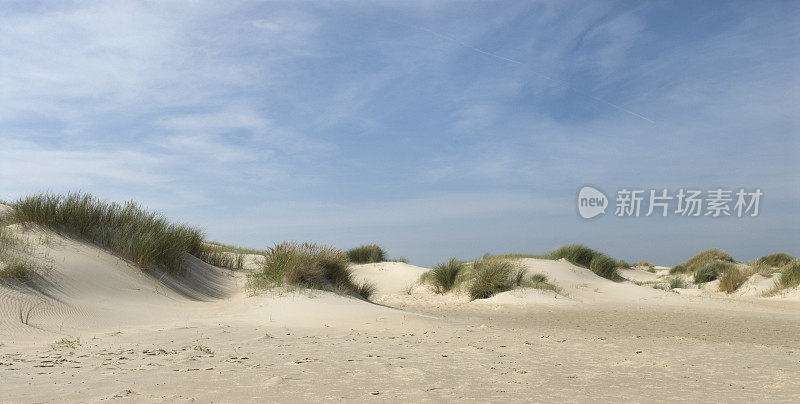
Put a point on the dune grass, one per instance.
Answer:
(604, 266)
(677, 283)
(706, 258)
(517, 256)
(790, 274)
(577, 254)
(16, 262)
(226, 256)
(491, 276)
(712, 271)
(731, 279)
(599, 263)
(367, 254)
(540, 281)
(125, 229)
(484, 278)
(443, 277)
(774, 260)
(309, 265)
(678, 269)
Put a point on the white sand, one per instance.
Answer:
(157, 337)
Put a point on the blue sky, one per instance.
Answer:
(436, 129)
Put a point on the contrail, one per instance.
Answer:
(496, 56)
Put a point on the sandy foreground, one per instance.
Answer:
(101, 329)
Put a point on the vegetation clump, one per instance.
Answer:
(577, 254)
(309, 265)
(790, 274)
(678, 269)
(367, 254)
(16, 262)
(492, 276)
(540, 281)
(712, 271)
(226, 256)
(731, 279)
(774, 260)
(126, 229)
(706, 258)
(443, 277)
(596, 261)
(677, 283)
(604, 266)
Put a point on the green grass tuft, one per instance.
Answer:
(774, 260)
(540, 281)
(366, 290)
(443, 277)
(731, 279)
(126, 229)
(575, 253)
(604, 266)
(677, 283)
(706, 258)
(678, 269)
(790, 274)
(491, 276)
(17, 260)
(578, 254)
(308, 265)
(367, 254)
(712, 271)
(226, 256)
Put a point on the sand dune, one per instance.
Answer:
(103, 329)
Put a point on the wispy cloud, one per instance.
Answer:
(396, 116)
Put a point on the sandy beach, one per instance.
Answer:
(101, 329)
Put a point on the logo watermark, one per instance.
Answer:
(686, 202)
(591, 202)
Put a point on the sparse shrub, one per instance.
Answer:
(366, 254)
(604, 266)
(126, 229)
(790, 274)
(707, 258)
(642, 264)
(774, 260)
(308, 265)
(623, 264)
(491, 276)
(575, 253)
(731, 279)
(443, 277)
(538, 278)
(677, 283)
(678, 269)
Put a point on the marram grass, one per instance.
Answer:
(579, 254)
(309, 265)
(146, 238)
(367, 254)
(443, 277)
